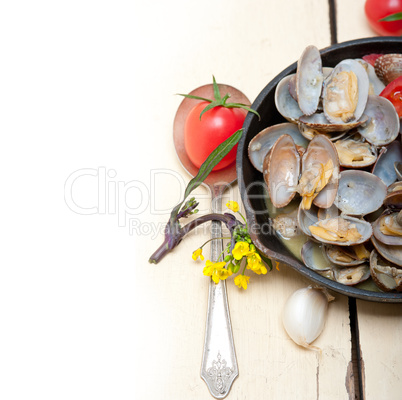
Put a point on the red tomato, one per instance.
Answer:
(201, 137)
(377, 9)
(393, 92)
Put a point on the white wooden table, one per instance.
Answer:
(89, 101)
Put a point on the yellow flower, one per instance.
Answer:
(216, 271)
(232, 205)
(198, 253)
(241, 281)
(253, 260)
(240, 250)
(254, 263)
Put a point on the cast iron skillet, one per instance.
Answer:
(251, 181)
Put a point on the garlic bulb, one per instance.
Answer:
(304, 315)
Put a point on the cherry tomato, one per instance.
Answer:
(393, 92)
(201, 137)
(377, 9)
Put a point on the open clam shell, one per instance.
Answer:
(388, 67)
(343, 101)
(375, 84)
(363, 228)
(390, 220)
(319, 122)
(313, 256)
(386, 275)
(354, 153)
(398, 170)
(309, 133)
(384, 167)
(285, 104)
(281, 169)
(382, 126)
(352, 275)
(320, 150)
(309, 79)
(262, 143)
(390, 253)
(340, 256)
(307, 218)
(359, 192)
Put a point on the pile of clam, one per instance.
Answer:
(340, 156)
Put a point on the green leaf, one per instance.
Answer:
(212, 160)
(217, 93)
(392, 17)
(190, 96)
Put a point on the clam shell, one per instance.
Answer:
(313, 256)
(387, 276)
(350, 144)
(320, 150)
(382, 126)
(352, 275)
(375, 84)
(388, 67)
(386, 239)
(398, 170)
(285, 104)
(384, 167)
(390, 253)
(359, 192)
(363, 227)
(307, 218)
(262, 143)
(331, 251)
(281, 169)
(309, 133)
(319, 122)
(362, 84)
(309, 79)
(393, 199)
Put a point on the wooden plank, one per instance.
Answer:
(379, 333)
(351, 20)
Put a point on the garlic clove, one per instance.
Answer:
(304, 315)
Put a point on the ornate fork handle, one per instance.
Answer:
(219, 365)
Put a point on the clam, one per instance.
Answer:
(319, 122)
(352, 275)
(306, 218)
(359, 192)
(286, 224)
(342, 231)
(398, 170)
(354, 153)
(387, 229)
(281, 169)
(320, 173)
(375, 84)
(386, 275)
(345, 92)
(285, 104)
(388, 67)
(313, 256)
(382, 126)
(346, 256)
(384, 166)
(262, 143)
(393, 199)
(390, 253)
(309, 79)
